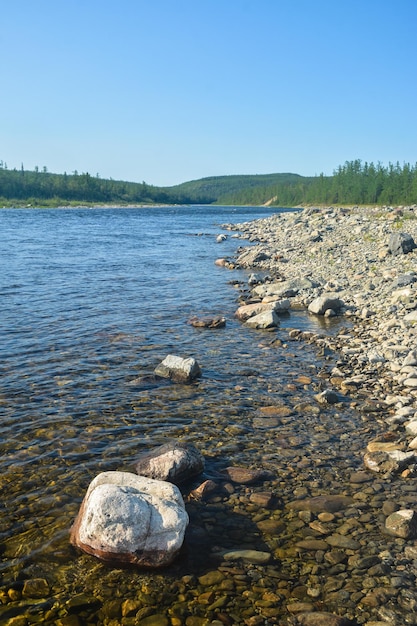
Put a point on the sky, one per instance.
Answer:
(167, 91)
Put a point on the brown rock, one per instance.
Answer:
(204, 491)
(275, 411)
(329, 503)
(207, 322)
(321, 619)
(247, 311)
(245, 476)
(266, 499)
(35, 588)
(312, 544)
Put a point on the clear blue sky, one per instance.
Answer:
(173, 90)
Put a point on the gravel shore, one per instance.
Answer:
(365, 261)
(345, 255)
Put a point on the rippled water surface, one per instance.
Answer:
(91, 300)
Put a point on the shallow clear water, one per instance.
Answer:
(91, 300)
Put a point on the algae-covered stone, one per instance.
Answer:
(36, 588)
(211, 578)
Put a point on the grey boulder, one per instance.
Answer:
(174, 461)
(178, 369)
(401, 243)
(323, 303)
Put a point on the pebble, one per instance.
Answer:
(250, 556)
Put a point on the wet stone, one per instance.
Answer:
(312, 544)
(360, 477)
(81, 602)
(402, 523)
(211, 578)
(68, 620)
(249, 556)
(129, 608)
(266, 499)
(155, 620)
(329, 503)
(341, 541)
(36, 588)
(246, 476)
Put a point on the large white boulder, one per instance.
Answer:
(125, 518)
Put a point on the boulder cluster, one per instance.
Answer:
(140, 518)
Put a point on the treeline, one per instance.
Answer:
(352, 183)
(40, 187)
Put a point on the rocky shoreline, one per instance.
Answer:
(352, 255)
(344, 255)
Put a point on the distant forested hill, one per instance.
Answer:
(219, 188)
(352, 183)
(41, 188)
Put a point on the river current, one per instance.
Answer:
(91, 300)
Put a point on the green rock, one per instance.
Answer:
(193, 620)
(312, 544)
(340, 541)
(211, 578)
(154, 620)
(35, 588)
(81, 602)
(68, 620)
(130, 607)
(18, 620)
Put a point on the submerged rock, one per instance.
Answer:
(175, 462)
(126, 518)
(389, 461)
(178, 369)
(320, 618)
(207, 322)
(246, 476)
(329, 503)
(402, 523)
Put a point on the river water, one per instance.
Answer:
(91, 300)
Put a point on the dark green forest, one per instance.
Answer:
(42, 188)
(352, 183)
